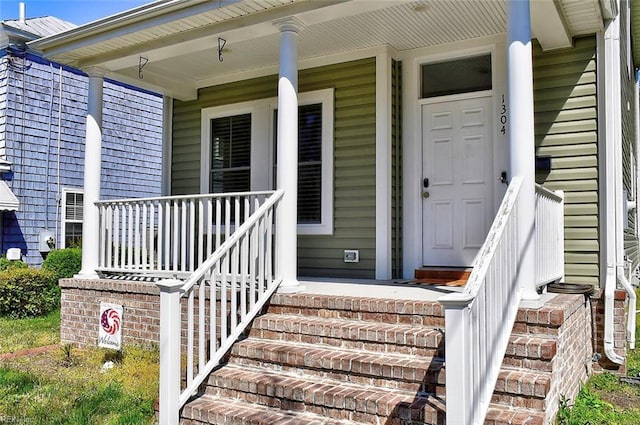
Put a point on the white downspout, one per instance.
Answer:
(612, 191)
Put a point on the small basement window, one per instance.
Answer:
(457, 76)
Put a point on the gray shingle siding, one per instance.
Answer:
(131, 153)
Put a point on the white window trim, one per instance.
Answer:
(262, 151)
(63, 214)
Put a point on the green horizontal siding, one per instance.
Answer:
(354, 159)
(628, 140)
(565, 93)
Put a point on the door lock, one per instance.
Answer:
(425, 182)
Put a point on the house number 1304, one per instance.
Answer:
(503, 117)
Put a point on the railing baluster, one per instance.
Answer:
(109, 230)
(201, 231)
(152, 227)
(202, 315)
(176, 235)
(183, 237)
(143, 232)
(190, 332)
(129, 244)
(192, 236)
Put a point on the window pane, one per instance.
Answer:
(231, 154)
(309, 193)
(72, 234)
(73, 206)
(457, 76)
(309, 162)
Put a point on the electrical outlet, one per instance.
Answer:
(351, 256)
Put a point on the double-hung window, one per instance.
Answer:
(239, 153)
(72, 200)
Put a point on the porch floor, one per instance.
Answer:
(400, 289)
(397, 289)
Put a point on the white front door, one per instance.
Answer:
(457, 204)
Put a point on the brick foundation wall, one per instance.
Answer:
(572, 363)
(80, 310)
(619, 331)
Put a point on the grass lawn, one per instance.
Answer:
(19, 334)
(603, 399)
(69, 386)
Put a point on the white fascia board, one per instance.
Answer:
(548, 26)
(109, 30)
(128, 21)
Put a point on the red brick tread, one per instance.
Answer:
(357, 334)
(310, 394)
(209, 409)
(391, 370)
(360, 305)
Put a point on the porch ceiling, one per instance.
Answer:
(180, 37)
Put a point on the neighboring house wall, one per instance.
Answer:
(4, 70)
(629, 136)
(48, 159)
(354, 159)
(566, 129)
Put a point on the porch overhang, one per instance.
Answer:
(178, 39)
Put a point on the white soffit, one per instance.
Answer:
(583, 16)
(181, 45)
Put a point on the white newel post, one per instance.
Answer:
(521, 136)
(170, 325)
(92, 171)
(458, 352)
(287, 173)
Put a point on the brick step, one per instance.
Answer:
(338, 400)
(415, 374)
(388, 370)
(536, 321)
(354, 334)
(523, 351)
(423, 313)
(208, 409)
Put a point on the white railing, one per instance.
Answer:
(549, 236)
(478, 321)
(219, 300)
(170, 235)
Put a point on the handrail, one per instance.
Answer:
(232, 286)
(479, 320)
(549, 236)
(170, 235)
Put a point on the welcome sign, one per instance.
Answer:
(110, 328)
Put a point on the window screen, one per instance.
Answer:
(309, 162)
(457, 76)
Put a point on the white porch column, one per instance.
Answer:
(92, 171)
(287, 173)
(521, 135)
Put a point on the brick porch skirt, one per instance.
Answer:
(81, 298)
